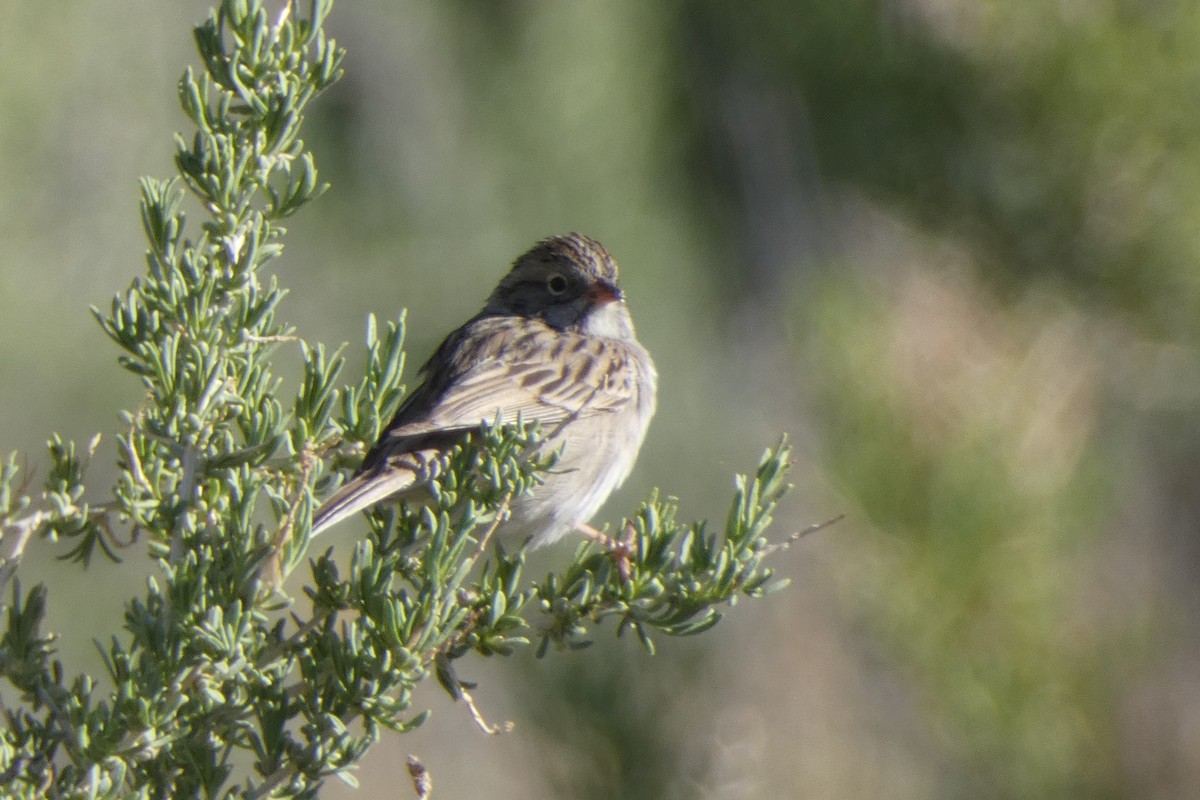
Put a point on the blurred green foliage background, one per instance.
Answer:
(951, 246)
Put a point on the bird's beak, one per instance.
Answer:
(602, 292)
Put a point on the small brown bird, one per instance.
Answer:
(555, 344)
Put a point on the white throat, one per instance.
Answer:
(610, 320)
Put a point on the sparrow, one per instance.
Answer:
(553, 344)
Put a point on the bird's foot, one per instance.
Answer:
(621, 549)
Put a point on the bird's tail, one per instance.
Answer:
(393, 479)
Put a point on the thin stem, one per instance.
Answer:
(24, 528)
(798, 535)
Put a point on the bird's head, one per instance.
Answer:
(568, 282)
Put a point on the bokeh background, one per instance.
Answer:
(949, 246)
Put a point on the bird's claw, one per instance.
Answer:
(622, 550)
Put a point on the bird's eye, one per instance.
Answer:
(556, 283)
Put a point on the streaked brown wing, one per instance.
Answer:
(525, 370)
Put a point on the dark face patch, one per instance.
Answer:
(558, 281)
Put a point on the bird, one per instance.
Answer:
(553, 344)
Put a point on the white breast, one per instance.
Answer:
(597, 456)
